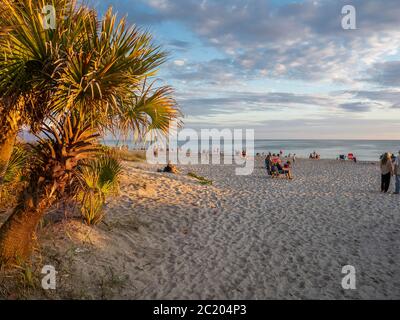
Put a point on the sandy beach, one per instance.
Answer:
(168, 237)
(105, 106)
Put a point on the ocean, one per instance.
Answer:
(364, 150)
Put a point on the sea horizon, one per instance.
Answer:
(363, 149)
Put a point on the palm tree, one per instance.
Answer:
(97, 179)
(67, 142)
(29, 59)
(33, 61)
(97, 82)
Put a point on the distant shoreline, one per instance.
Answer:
(363, 150)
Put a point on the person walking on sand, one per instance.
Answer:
(397, 174)
(386, 171)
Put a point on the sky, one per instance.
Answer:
(285, 68)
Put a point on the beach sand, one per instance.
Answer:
(245, 237)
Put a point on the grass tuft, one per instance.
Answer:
(202, 180)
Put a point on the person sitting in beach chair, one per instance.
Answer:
(275, 163)
(350, 156)
(278, 170)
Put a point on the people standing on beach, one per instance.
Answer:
(275, 164)
(315, 156)
(294, 159)
(397, 174)
(268, 164)
(386, 172)
(279, 163)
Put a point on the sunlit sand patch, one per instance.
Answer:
(167, 236)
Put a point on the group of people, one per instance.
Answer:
(170, 168)
(350, 157)
(315, 156)
(276, 167)
(390, 166)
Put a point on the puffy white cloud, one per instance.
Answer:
(179, 63)
(300, 41)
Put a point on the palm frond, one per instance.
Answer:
(16, 165)
(60, 149)
(149, 110)
(32, 56)
(97, 178)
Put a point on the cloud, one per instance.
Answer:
(301, 40)
(356, 106)
(179, 45)
(233, 102)
(325, 128)
(385, 74)
(389, 98)
(179, 63)
(213, 72)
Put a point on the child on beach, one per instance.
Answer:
(287, 169)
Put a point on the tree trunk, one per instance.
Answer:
(6, 149)
(16, 235)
